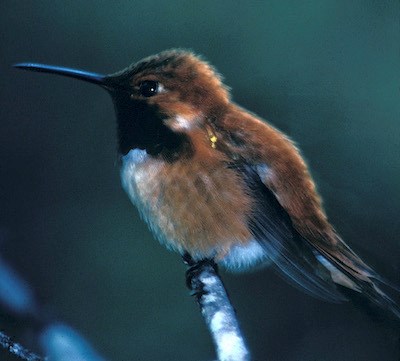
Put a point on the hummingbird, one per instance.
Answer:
(217, 182)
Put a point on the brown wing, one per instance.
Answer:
(282, 170)
(272, 227)
(289, 179)
(289, 220)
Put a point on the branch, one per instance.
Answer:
(220, 317)
(58, 341)
(17, 349)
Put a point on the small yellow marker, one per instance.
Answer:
(213, 138)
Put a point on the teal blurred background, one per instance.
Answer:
(324, 71)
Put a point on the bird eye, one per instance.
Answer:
(148, 88)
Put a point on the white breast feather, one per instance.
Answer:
(141, 176)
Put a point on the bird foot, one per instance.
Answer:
(193, 273)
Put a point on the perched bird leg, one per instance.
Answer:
(194, 271)
(203, 280)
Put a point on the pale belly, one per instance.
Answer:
(192, 208)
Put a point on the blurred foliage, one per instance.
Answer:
(324, 71)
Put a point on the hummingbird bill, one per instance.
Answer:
(218, 182)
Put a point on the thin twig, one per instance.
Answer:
(218, 313)
(18, 350)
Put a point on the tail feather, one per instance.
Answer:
(349, 271)
(376, 303)
(381, 299)
(382, 281)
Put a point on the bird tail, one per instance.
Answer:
(357, 280)
(376, 295)
(370, 294)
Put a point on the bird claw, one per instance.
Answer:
(192, 276)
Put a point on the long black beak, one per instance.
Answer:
(102, 80)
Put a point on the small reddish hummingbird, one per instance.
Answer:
(217, 182)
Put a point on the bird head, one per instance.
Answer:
(158, 100)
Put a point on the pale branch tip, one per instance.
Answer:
(18, 350)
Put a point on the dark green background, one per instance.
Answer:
(324, 71)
